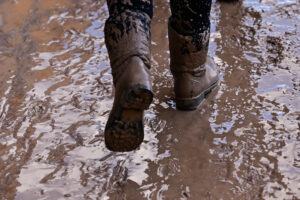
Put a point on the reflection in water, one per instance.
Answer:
(56, 94)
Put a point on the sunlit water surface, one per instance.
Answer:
(56, 93)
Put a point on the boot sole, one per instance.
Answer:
(193, 103)
(124, 130)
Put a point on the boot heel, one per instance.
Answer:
(189, 104)
(139, 97)
(193, 103)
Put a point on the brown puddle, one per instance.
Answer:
(56, 94)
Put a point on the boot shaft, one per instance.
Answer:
(188, 53)
(126, 35)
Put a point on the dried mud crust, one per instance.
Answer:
(124, 129)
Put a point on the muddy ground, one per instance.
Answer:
(56, 93)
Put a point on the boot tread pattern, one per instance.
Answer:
(124, 130)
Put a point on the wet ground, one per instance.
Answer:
(56, 94)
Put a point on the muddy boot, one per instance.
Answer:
(195, 74)
(127, 37)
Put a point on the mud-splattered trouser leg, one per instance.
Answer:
(127, 32)
(191, 18)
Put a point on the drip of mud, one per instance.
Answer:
(56, 93)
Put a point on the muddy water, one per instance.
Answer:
(56, 94)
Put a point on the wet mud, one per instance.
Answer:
(56, 93)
